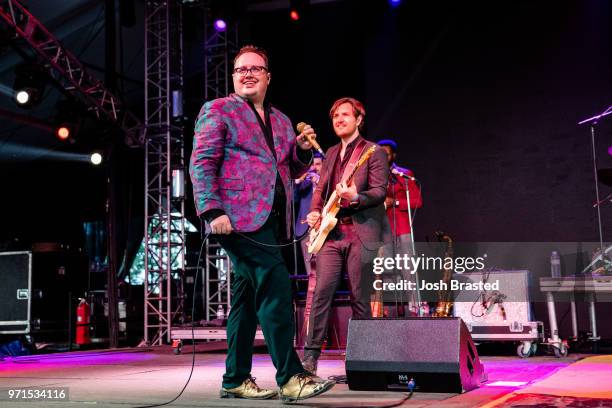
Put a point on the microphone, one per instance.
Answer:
(404, 175)
(300, 128)
(491, 305)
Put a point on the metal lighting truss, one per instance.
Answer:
(68, 71)
(219, 47)
(164, 163)
(218, 280)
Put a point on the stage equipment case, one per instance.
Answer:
(503, 315)
(15, 292)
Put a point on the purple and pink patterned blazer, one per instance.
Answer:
(232, 167)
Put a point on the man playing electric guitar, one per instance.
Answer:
(362, 225)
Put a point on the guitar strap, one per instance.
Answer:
(354, 159)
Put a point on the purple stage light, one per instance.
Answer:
(610, 150)
(220, 25)
(394, 3)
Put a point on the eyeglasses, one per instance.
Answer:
(254, 70)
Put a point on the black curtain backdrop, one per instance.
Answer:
(483, 99)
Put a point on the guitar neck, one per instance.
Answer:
(349, 179)
(332, 203)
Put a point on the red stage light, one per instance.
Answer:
(295, 16)
(62, 132)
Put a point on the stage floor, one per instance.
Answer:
(135, 377)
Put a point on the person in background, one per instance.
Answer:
(304, 187)
(396, 205)
(396, 202)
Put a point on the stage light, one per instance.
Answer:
(68, 119)
(394, 3)
(63, 133)
(26, 96)
(29, 85)
(220, 25)
(22, 96)
(298, 9)
(95, 159)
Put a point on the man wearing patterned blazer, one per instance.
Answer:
(244, 158)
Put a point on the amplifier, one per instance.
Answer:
(15, 292)
(337, 328)
(36, 292)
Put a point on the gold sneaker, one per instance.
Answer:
(302, 386)
(249, 390)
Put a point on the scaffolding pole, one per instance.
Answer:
(219, 48)
(164, 163)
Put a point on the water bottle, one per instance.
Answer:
(220, 312)
(555, 265)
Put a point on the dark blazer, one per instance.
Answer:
(302, 197)
(370, 219)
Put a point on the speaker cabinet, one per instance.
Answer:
(438, 353)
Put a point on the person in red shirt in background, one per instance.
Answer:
(396, 202)
(396, 205)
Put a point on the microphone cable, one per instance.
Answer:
(193, 349)
(293, 241)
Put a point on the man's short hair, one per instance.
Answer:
(317, 155)
(388, 142)
(358, 109)
(255, 50)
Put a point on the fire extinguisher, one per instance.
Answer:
(83, 314)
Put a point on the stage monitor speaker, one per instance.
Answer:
(438, 353)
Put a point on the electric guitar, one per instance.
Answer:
(328, 218)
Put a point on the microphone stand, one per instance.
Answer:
(416, 272)
(394, 250)
(293, 227)
(592, 121)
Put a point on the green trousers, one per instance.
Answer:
(261, 291)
